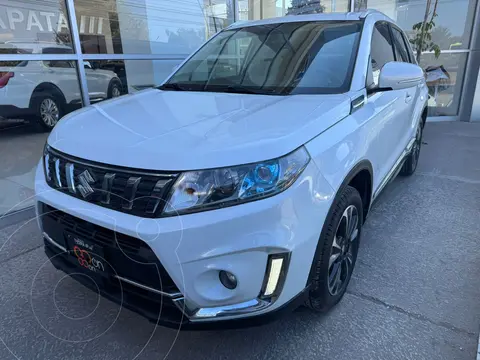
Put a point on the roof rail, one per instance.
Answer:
(365, 13)
(239, 22)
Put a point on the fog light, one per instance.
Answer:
(228, 279)
(275, 275)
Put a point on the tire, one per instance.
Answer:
(411, 162)
(48, 109)
(332, 245)
(114, 89)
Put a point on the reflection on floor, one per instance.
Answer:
(21, 147)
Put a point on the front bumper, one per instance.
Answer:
(194, 248)
(162, 312)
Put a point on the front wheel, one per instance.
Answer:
(114, 89)
(337, 251)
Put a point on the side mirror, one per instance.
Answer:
(399, 75)
(87, 65)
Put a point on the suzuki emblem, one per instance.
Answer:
(86, 180)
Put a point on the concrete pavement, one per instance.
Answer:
(414, 293)
(20, 147)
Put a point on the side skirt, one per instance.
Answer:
(392, 174)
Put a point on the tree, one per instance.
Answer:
(300, 7)
(422, 40)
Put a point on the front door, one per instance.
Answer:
(387, 111)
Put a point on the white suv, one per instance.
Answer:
(46, 90)
(239, 187)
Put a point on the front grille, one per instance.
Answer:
(136, 192)
(130, 257)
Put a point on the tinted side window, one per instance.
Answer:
(58, 64)
(382, 50)
(57, 50)
(400, 47)
(13, 63)
(411, 55)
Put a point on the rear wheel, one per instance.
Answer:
(411, 162)
(337, 251)
(48, 110)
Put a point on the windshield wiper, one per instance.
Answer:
(237, 89)
(240, 89)
(171, 86)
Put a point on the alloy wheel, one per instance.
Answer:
(49, 112)
(116, 92)
(416, 148)
(340, 264)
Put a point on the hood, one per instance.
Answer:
(175, 130)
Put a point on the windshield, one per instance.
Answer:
(276, 59)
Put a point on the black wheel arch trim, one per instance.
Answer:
(115, 79)
(47, 85)
(424, 110)
(360, 166)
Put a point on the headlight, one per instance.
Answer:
(209, 189)
(45, 161)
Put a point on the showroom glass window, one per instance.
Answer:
(264, 9)
(23, 24)
(28, 28)
(450, 34)
(161, 27)
(167, 30)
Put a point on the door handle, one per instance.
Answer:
(408, 98)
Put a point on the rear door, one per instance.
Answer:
(63, 74)
(411, 94)
(96, 89)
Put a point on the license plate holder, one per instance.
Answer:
(87, 255)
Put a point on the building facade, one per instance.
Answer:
(139, 42)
